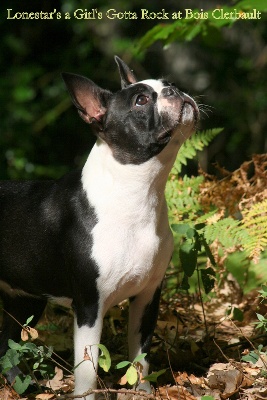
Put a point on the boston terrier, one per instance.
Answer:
(98, 236)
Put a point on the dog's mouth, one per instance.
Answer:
(164, 137)
(191, 104)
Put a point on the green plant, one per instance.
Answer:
(260, 353)
(213, 217)
(191, 146)
(134, 375)
(187, 29)
(30, 356)
(192, 244)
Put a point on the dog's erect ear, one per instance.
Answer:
(90, 99)
(127, 76)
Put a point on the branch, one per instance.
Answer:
(107, 390)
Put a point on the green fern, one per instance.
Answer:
(255, 222)
(182, 198)
(228, 231)
(197, 225)
(189, 149)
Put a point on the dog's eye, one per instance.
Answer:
(141, 100)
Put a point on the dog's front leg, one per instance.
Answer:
(143, 314)
(87, 335)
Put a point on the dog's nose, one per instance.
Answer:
(188, 99)
(169, 91)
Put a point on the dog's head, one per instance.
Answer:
(138, 121)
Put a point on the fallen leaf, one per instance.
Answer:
(227, 379)
(28, 333)
(56, 382)
(86, 355)
(123, 380)
(174, 393)
(7, 393)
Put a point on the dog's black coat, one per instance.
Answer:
(40, 225)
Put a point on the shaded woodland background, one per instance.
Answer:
(41, 135)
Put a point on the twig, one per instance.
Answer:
(11, 316)
(242, 342)
(227, 359)
(201, 301)
(256, 350)
(169, 361)
(107, 391)
(176, 384)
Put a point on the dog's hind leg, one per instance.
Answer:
(143, 314)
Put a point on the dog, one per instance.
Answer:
(101, 235)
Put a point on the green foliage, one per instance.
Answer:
(34, 358)
(207, 398)
(263, 292)
(235, 313)
(228, 231)
(256, 354)
(255, 221)
(186, 29)
(182, 194)
(155, 375)
(253, 355)
(195, 143)
(104, 360)
(192, 244)
(197, 226)
(182, 198)
(262, 322)
(133, 373)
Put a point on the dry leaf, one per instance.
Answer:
(56, 383)
(227, 379)
(174, 393)
(86, 355)
(7, 393)
(29, 333)
(123, 380)
(45, 396)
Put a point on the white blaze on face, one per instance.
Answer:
(157, 85)
(173, 108)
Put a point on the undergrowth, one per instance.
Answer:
(217, 216)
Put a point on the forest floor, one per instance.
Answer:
(200, 348)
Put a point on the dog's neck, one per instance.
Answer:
(104, 174)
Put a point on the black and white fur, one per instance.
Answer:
(98, 236)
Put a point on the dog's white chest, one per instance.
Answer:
(132, 243)
(126, 256)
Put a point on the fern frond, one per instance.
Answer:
(189, 149)
(182, 198)
(228, 232)
(255, 222)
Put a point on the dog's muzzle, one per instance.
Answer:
(187, 100)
